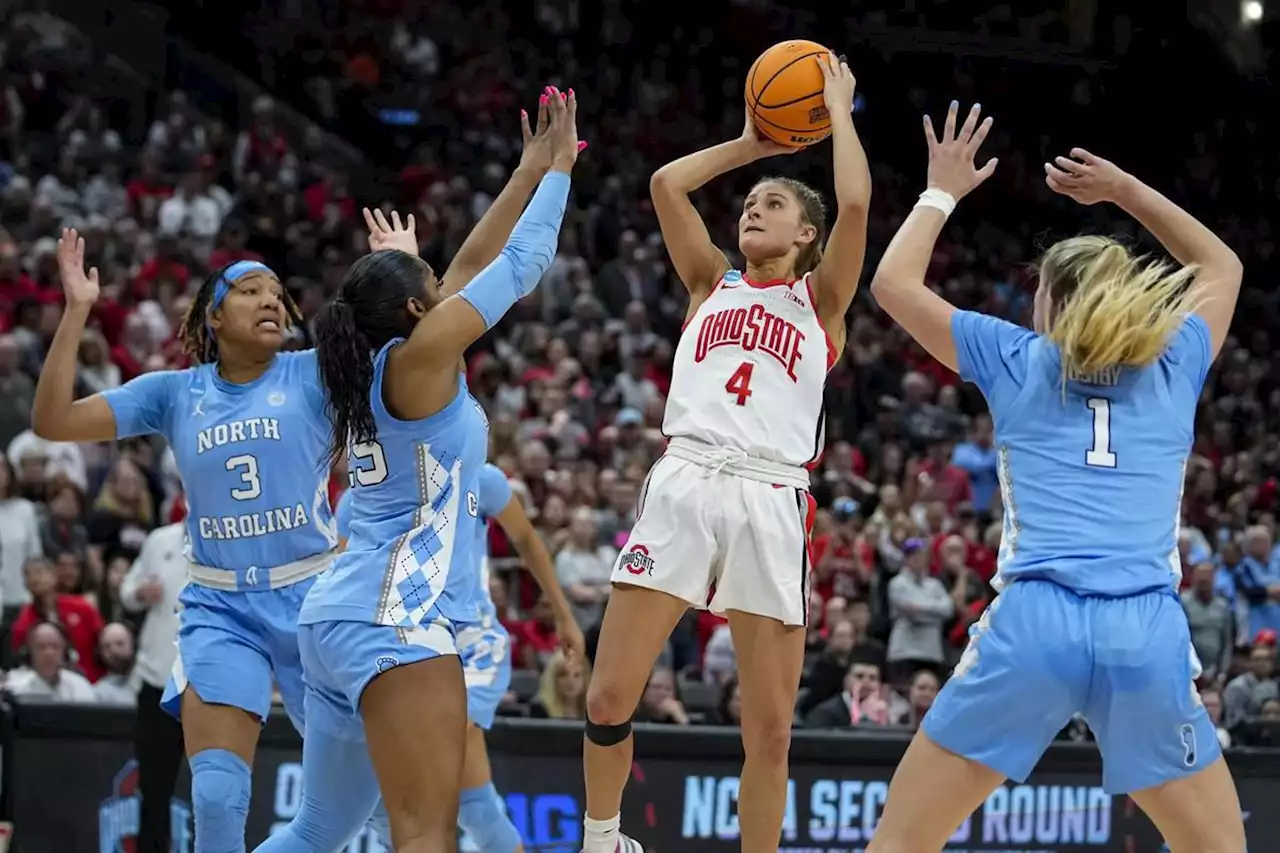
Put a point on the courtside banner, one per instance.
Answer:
(70, 785)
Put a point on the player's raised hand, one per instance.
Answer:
(760, 145)
(80, 287)
(537, 152)
(563, 128)
(1085, 178)
(839, 86)
(951, 157)
(393, 234)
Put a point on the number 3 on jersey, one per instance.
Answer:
(739, 383)
(1100, 455)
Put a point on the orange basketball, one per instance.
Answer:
(784, 94)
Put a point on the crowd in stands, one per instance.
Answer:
(908, 531)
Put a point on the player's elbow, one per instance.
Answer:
(47, 426)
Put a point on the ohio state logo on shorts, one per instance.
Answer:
(637, 560)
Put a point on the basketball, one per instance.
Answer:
(784, 94)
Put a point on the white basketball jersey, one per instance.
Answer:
(749, 371)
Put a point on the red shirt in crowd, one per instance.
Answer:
(950, 483)
(80, 619)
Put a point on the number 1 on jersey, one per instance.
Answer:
(739, 383)
(1100, 455)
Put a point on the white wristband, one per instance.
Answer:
(938, 200)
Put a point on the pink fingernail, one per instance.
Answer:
(563, 96)
(571, 93)
(524, 113)
(582, 146)
(543, 100)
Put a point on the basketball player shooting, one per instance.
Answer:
(724, 517)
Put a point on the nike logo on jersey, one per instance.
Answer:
(751, 328)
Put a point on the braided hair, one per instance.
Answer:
(198, 340)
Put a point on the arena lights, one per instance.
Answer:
(1251, 12)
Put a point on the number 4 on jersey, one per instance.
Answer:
(739, 383)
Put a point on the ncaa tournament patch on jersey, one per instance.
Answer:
(733, 276)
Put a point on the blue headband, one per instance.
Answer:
(235, 272)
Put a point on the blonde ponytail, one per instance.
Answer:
(1111, 308)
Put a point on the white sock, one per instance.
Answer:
(600, 836)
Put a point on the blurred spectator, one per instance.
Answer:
(151, 588)
(584, 567)
(562, 691)
(865, 699)
(919, 605)
(719, 660)
(1246, 692)
(19, 539)
(729, 708)
(536, 638)
(1257, 579)
(920, 696)
(1212, 625)
(1211, 697)
(977, 457)
(115, 653)
(46, 672)
(75, 616)
(826, 676)
(660, 702)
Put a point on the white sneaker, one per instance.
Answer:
(627, 844)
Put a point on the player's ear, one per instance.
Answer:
(807, 233)
(417, 308)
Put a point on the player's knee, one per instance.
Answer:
(605, 704)
(766, 737)
(220, 785)
(483, 816)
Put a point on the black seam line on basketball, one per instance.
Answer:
(807, 131)
(767, 83)
(751, 78)
(793, 101)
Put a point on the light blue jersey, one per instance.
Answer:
(495, 494)
(1091, 479)
(252, 458)
(1088, 622)
(253, 462)
(484, 646)
(411, 554)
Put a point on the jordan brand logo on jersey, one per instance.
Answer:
(750, 329)
(199, 410)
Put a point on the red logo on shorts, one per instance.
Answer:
(637, 560)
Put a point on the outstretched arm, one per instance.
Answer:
(444, 334)
(696, 259)
(1089, 180)
(899, 285)
(533, 553)
(491, 233)
(835, 281)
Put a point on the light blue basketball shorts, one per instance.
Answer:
(485, 650)
(1041, 654)
(232, 647)
(340, 658)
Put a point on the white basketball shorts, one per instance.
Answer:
(721, 542)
